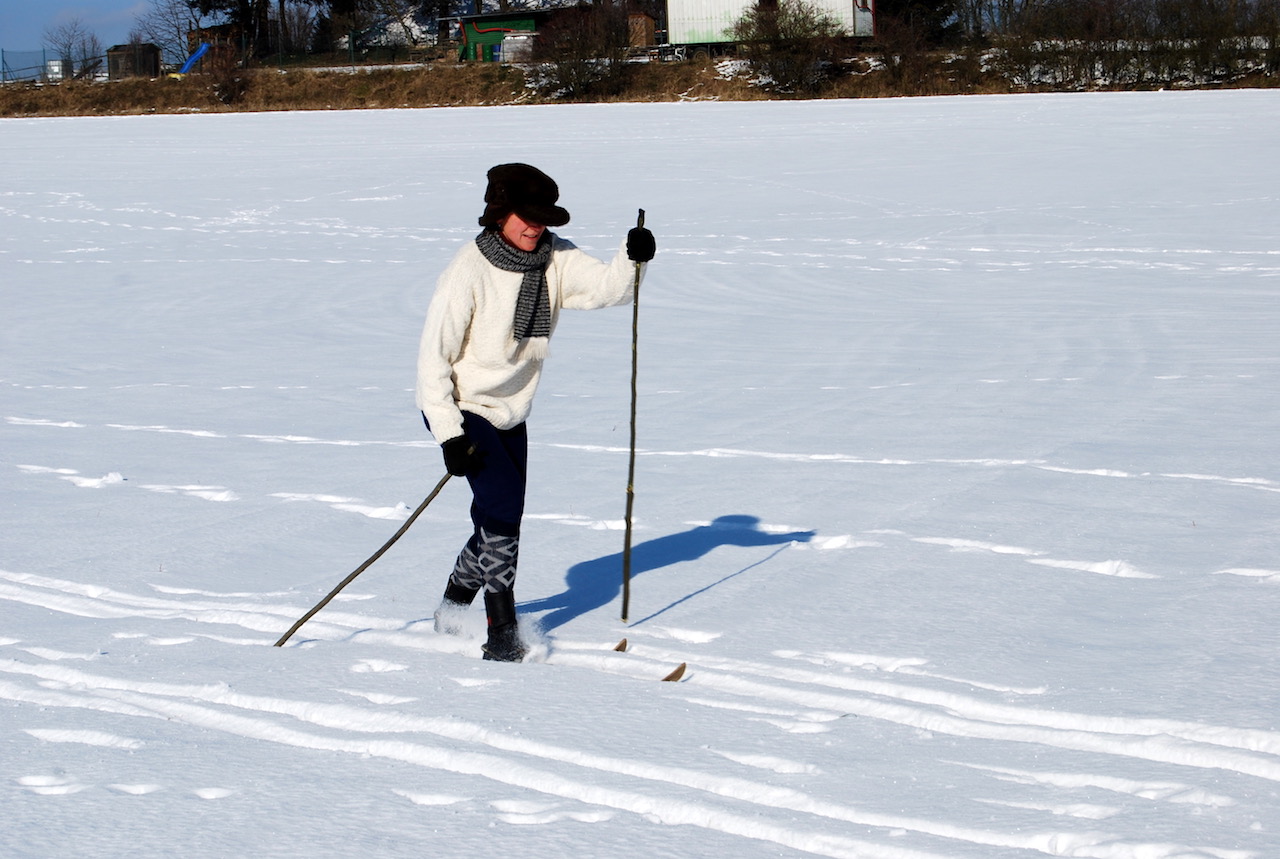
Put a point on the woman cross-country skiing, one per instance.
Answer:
(494, 309)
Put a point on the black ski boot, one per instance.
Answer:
(504, 644)
(448, 617)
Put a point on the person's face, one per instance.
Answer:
(522, 234)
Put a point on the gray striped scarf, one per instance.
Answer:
(533, 307)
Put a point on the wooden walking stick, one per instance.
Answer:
(360, 569)
(631, 467)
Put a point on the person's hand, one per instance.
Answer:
(460, 456)
(640, 245)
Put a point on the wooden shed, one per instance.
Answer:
(141, 59)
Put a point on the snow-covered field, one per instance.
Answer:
(957, 487)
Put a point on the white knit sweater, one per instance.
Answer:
(469, 360)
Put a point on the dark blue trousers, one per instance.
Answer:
(498, 486)
(490, 556)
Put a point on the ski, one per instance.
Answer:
(676, 673)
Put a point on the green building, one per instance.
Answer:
(481, 36)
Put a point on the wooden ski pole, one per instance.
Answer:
(631, 467)
(360, 569)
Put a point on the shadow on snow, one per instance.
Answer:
(595, 583)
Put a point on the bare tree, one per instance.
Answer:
(297, 26)
(1265, 24)
(398, 16)
(76, 46)
(1086, 43)
(282, 27)
(169, 24)
(582, 51)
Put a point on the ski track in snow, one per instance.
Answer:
(580, 787)
(1258, 483)
(400, 510)
(797, 693)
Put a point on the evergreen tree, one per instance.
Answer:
(933, 22)
(251, 16)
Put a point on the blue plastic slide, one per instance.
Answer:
(194, 58)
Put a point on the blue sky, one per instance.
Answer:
(23, 22)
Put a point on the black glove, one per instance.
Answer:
(460, 456)
(640, 245)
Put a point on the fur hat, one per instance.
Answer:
(525, 190)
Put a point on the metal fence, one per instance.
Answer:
(46, 66)
(29, 66)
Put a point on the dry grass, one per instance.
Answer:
(271, 89)
(436, 85)
(452, 84)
